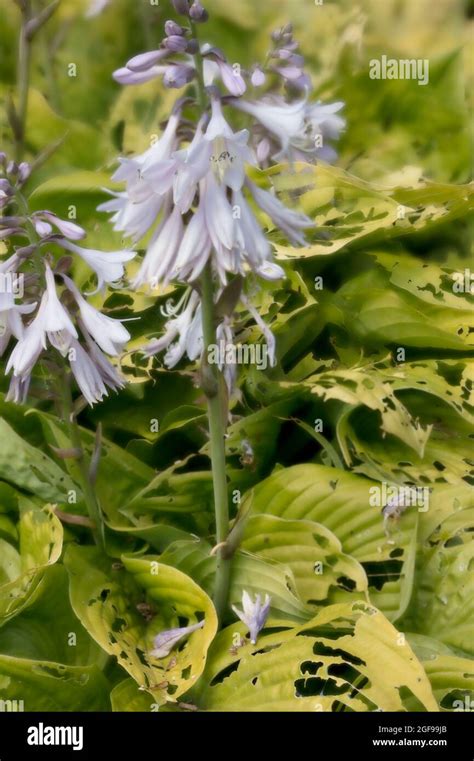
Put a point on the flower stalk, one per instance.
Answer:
(23, 83)
(216, 396)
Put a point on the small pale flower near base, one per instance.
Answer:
(165, 641)
(254, 614)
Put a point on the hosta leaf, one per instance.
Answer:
(445, 501)
(126, 696)
(121, 477)
(48, 686)
(313, 553)
(447, 453)
(30, 633)
(451, 677)
(249, 572)
(351, 212)
(348, 657)
(30, 469)
(41, 537)
(106, 598)
(428, 282)
(379, 315)
(448, 380)
(8, 529)
(443, 603)
(361, 387)
(341, 502)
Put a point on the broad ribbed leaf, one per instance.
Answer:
(341, 502)
(348, 657)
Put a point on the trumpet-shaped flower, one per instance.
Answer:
(165, 641)
(301, 128)
(107, 265)
(107, 332)
(254, 614)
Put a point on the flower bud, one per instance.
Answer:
(258, 77)
(198, 13)
(24, 170)
(175, 43)
(181, 6)
(171, 28)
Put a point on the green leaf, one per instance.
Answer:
(451, 677)
(126, 696)
(48, 686)
(341, 502)
(30, 469)
(41, 537)
(248, 572)
(105, 600)
(30, 634)
(348, 657)
(349, 212)
(321, 570)
(443, 601)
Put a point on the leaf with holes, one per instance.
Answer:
(348, 657)
(443, 602)
(124, 609)
(41, 539)
(451, 676)
(322, 572)
(341, 502)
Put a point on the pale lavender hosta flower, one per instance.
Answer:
(288, 220)
(11, 324)
(183, 331)
(91, 369)
(149, 178)
(174, 62)
(44, 221)
(165, 641)
(107, 332)
(90, 373)
(215, 67)
(254, 614)
(258, 77)
(37, 317)
(298, 125)
(52, 322)
(158, 265)
(107, 265)
(215, 164)
(196, 199)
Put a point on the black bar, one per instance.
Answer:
(130, 736)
